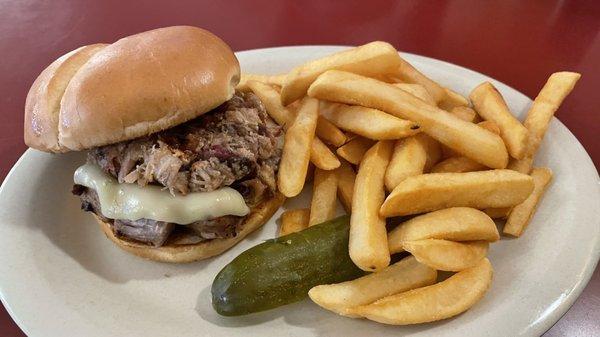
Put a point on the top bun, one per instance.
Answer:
(145, 83)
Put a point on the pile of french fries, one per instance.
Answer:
(389, 142)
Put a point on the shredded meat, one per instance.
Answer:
(238, 141)
(236, 144)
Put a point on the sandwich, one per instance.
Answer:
(180, 166)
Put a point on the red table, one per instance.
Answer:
(517, 42)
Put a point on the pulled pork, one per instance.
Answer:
(236, 144)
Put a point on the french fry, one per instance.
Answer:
(490, 126)
(320, 155)
(294, 220)
(457, 165)
(456, 224)
(497, 213)
(295, 156)
(463, 137)
(271, 100)
(354, 150)
(330, 133)
(433, 191)
(324, 201)
(346, 178)
(408, 159)
(447, 255)
(452, 100)
(433, 149)
(267, 79)
(369, 123)
(402, 276)
(554, 92)
(439, 301)
(372, 59)
(490, 105)
(367, 244)
(410, 74)
(416, 90)
(519, 217)
(465, 113)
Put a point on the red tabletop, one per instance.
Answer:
(517, 42)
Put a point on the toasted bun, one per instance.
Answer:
(193, 252)
(139, 85)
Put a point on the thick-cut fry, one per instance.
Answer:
(456, 224)
(433, 191)
(346, 178)
(556, 89)
(324, 201)
(439, 301)
(330, 133)
(463, 137)
(295, 156)
(371, 59)
(354, 150)
(457, 165)
(417, 90)
(490, 126)
(267, 79)
(490, 105)
(367, 244)
(452, 100)
(497, 213)
(519, 217)
(465, 113)
(447, 255)
(370, 123)
(402, 276)
(433, 149)
(320, 155)
(410, 74)
(408, 159)
(294, 220)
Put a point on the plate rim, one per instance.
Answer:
(543, 324)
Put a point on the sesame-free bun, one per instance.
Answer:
(182, 253)
(141, 84)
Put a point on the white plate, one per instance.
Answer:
(59, 275)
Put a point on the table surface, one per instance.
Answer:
(519, 43)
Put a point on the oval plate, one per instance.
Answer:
(59, 276)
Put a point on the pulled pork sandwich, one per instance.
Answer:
(180, 167)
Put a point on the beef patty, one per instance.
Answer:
(237, 145)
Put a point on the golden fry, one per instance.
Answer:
(294, 220)
(433, 191)
(447, 255)
(439, 301)
(330, 133)
(519, 217)
(267, 79)
(354, 150)
(367, 244)
(490, 105)
(408, 159)
(295, 156)
(324, 201)
(371, 59)
(463, 137)
(346, 178)
(322, 157)
(417, 90)
(369, 123)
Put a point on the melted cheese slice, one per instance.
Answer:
(133, 202)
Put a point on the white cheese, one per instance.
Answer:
(133, 202)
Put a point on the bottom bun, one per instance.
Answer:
(192, 252)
